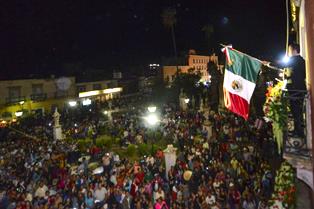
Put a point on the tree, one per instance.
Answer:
(169, 20)
(215, 85)
(189, 83)
(208, 31)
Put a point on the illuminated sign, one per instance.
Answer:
(99, 92)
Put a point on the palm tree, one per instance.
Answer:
(169, 20)
(208, 33)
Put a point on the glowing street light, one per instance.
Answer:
(87, 102)
(72, 103)
(106, 112)
(152, 119)
(18, 114)
(152, 109)
(21, 102)
(187, 100)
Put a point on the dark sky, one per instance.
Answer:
(39, 36)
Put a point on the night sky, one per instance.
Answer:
(41, 37)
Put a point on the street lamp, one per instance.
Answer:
(72, 103)
(152, 119)
(18, 114)
(87, 102)
(187, 100)
(152, 109)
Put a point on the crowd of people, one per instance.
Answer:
(227, 168)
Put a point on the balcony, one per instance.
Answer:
(14, 100)
(38, 97)
(297, 150)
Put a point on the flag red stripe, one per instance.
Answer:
(236, 104)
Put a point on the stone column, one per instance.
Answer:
(57, 129)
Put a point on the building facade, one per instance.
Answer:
(194, 63)
(98, 90)
(27, 96)
(32, 95)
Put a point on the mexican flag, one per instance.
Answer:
(241, 73)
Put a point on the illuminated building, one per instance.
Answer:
(194, 63)
(28, 96)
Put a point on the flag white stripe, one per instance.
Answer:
(247, 87)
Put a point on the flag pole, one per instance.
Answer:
(243, 53)
(271, 67)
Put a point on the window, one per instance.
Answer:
(193, 61)
(97, 86)
(37, 89)
(15, 92)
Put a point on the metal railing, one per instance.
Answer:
(38, 97)
(14, 100)
(297, 145)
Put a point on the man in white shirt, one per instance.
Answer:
(100, 193)
(41, 191)
(210, 199)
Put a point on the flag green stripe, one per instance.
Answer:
(243, 66)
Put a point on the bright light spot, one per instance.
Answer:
(281, 75)
(113, 90)
(75, 124)
(90, 110)
(285, 59)
(21, 102)
(106, 112)
(49, 124)
(187, 100)
(72, 103)
(285, 82)
(152, 119)
(18, 114)
(89, 93)
(99, 92)
(87, 102)
(152, 109)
